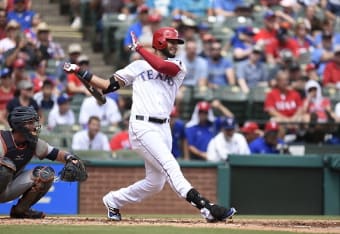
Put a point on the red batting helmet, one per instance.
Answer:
(160, 37)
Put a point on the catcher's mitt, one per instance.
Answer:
(74, 170)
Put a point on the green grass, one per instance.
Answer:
(65, 229)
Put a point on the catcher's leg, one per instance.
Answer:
(42, 179)
(6, 176)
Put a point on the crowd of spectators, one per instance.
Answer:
(291, 48)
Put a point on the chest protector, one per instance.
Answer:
(20, 157)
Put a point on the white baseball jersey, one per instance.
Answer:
(153, 93)
(153, 96)
(219, 147)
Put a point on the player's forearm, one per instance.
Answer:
(99, 82)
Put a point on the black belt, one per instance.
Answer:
(152, 119)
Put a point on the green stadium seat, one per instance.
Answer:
(235, 100)
(255, 110)
(94, 155)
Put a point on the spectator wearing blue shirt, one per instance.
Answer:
(143, 19)
(192, 8)
(221, 72)
(252, 72)
(269, 143)
(203, 126)
(321, 55)
(226, 8)
(20, 14)
(179, 141)
(242, 43)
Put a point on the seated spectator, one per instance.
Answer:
(24, 98)
(282, 103)
(252, 72)
(327, 29)
(40, 75)
(267, 35)
(45, 98)
(120, 140)
(331, 74)
(154, 23)
(207, 40)
(108, 113)
(323, 53)
(19, 73)
(179, 141)
(242, 43)
(3, 23)
(269, 143)
(6, 92)
(202, 127)
(316, 108)
(21, 14)
(288, 12)
(226, 8)
(251, 131)
(221, 72)
(91, 138)
(193, 9)
(303, 37)
(74, 85)
(47, 47)
(74, 50)
(9, 41)
(197, 71)
(143, 19)
(160, 7)
(61, 114)
(227, 142)
(333, 10)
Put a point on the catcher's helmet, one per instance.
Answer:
(160, 37)
(21, 115)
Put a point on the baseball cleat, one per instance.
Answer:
(29, 214)
(217, 213)
(112, 213)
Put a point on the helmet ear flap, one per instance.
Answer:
(162, 44)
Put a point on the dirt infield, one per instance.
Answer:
(310, 226)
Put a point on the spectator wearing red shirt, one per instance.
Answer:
(6, 92)
(74, 85)
(121, 140)
(282, 103)
(267, 34)
(331, 74)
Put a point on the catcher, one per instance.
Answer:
(17, 148)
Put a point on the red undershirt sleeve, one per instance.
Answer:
(160, 65)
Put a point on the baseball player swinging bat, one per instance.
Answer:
(95, 92)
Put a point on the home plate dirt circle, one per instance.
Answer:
(310, 226)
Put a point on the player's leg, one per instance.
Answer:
(32, 185)
(155, 147)
(152, 183)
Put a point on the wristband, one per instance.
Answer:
(85, 75)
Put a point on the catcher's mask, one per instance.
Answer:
(25, 120)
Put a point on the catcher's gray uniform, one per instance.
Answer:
(14, 183)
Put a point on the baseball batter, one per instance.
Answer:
(155, 81)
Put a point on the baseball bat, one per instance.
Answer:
(95, 92)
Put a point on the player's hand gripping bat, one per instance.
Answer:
(73, 68)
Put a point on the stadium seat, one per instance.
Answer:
(235, 100)
(95, 155)
(255, 110)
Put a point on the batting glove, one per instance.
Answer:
(71, 68)
(74, 68)
(135, 43)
